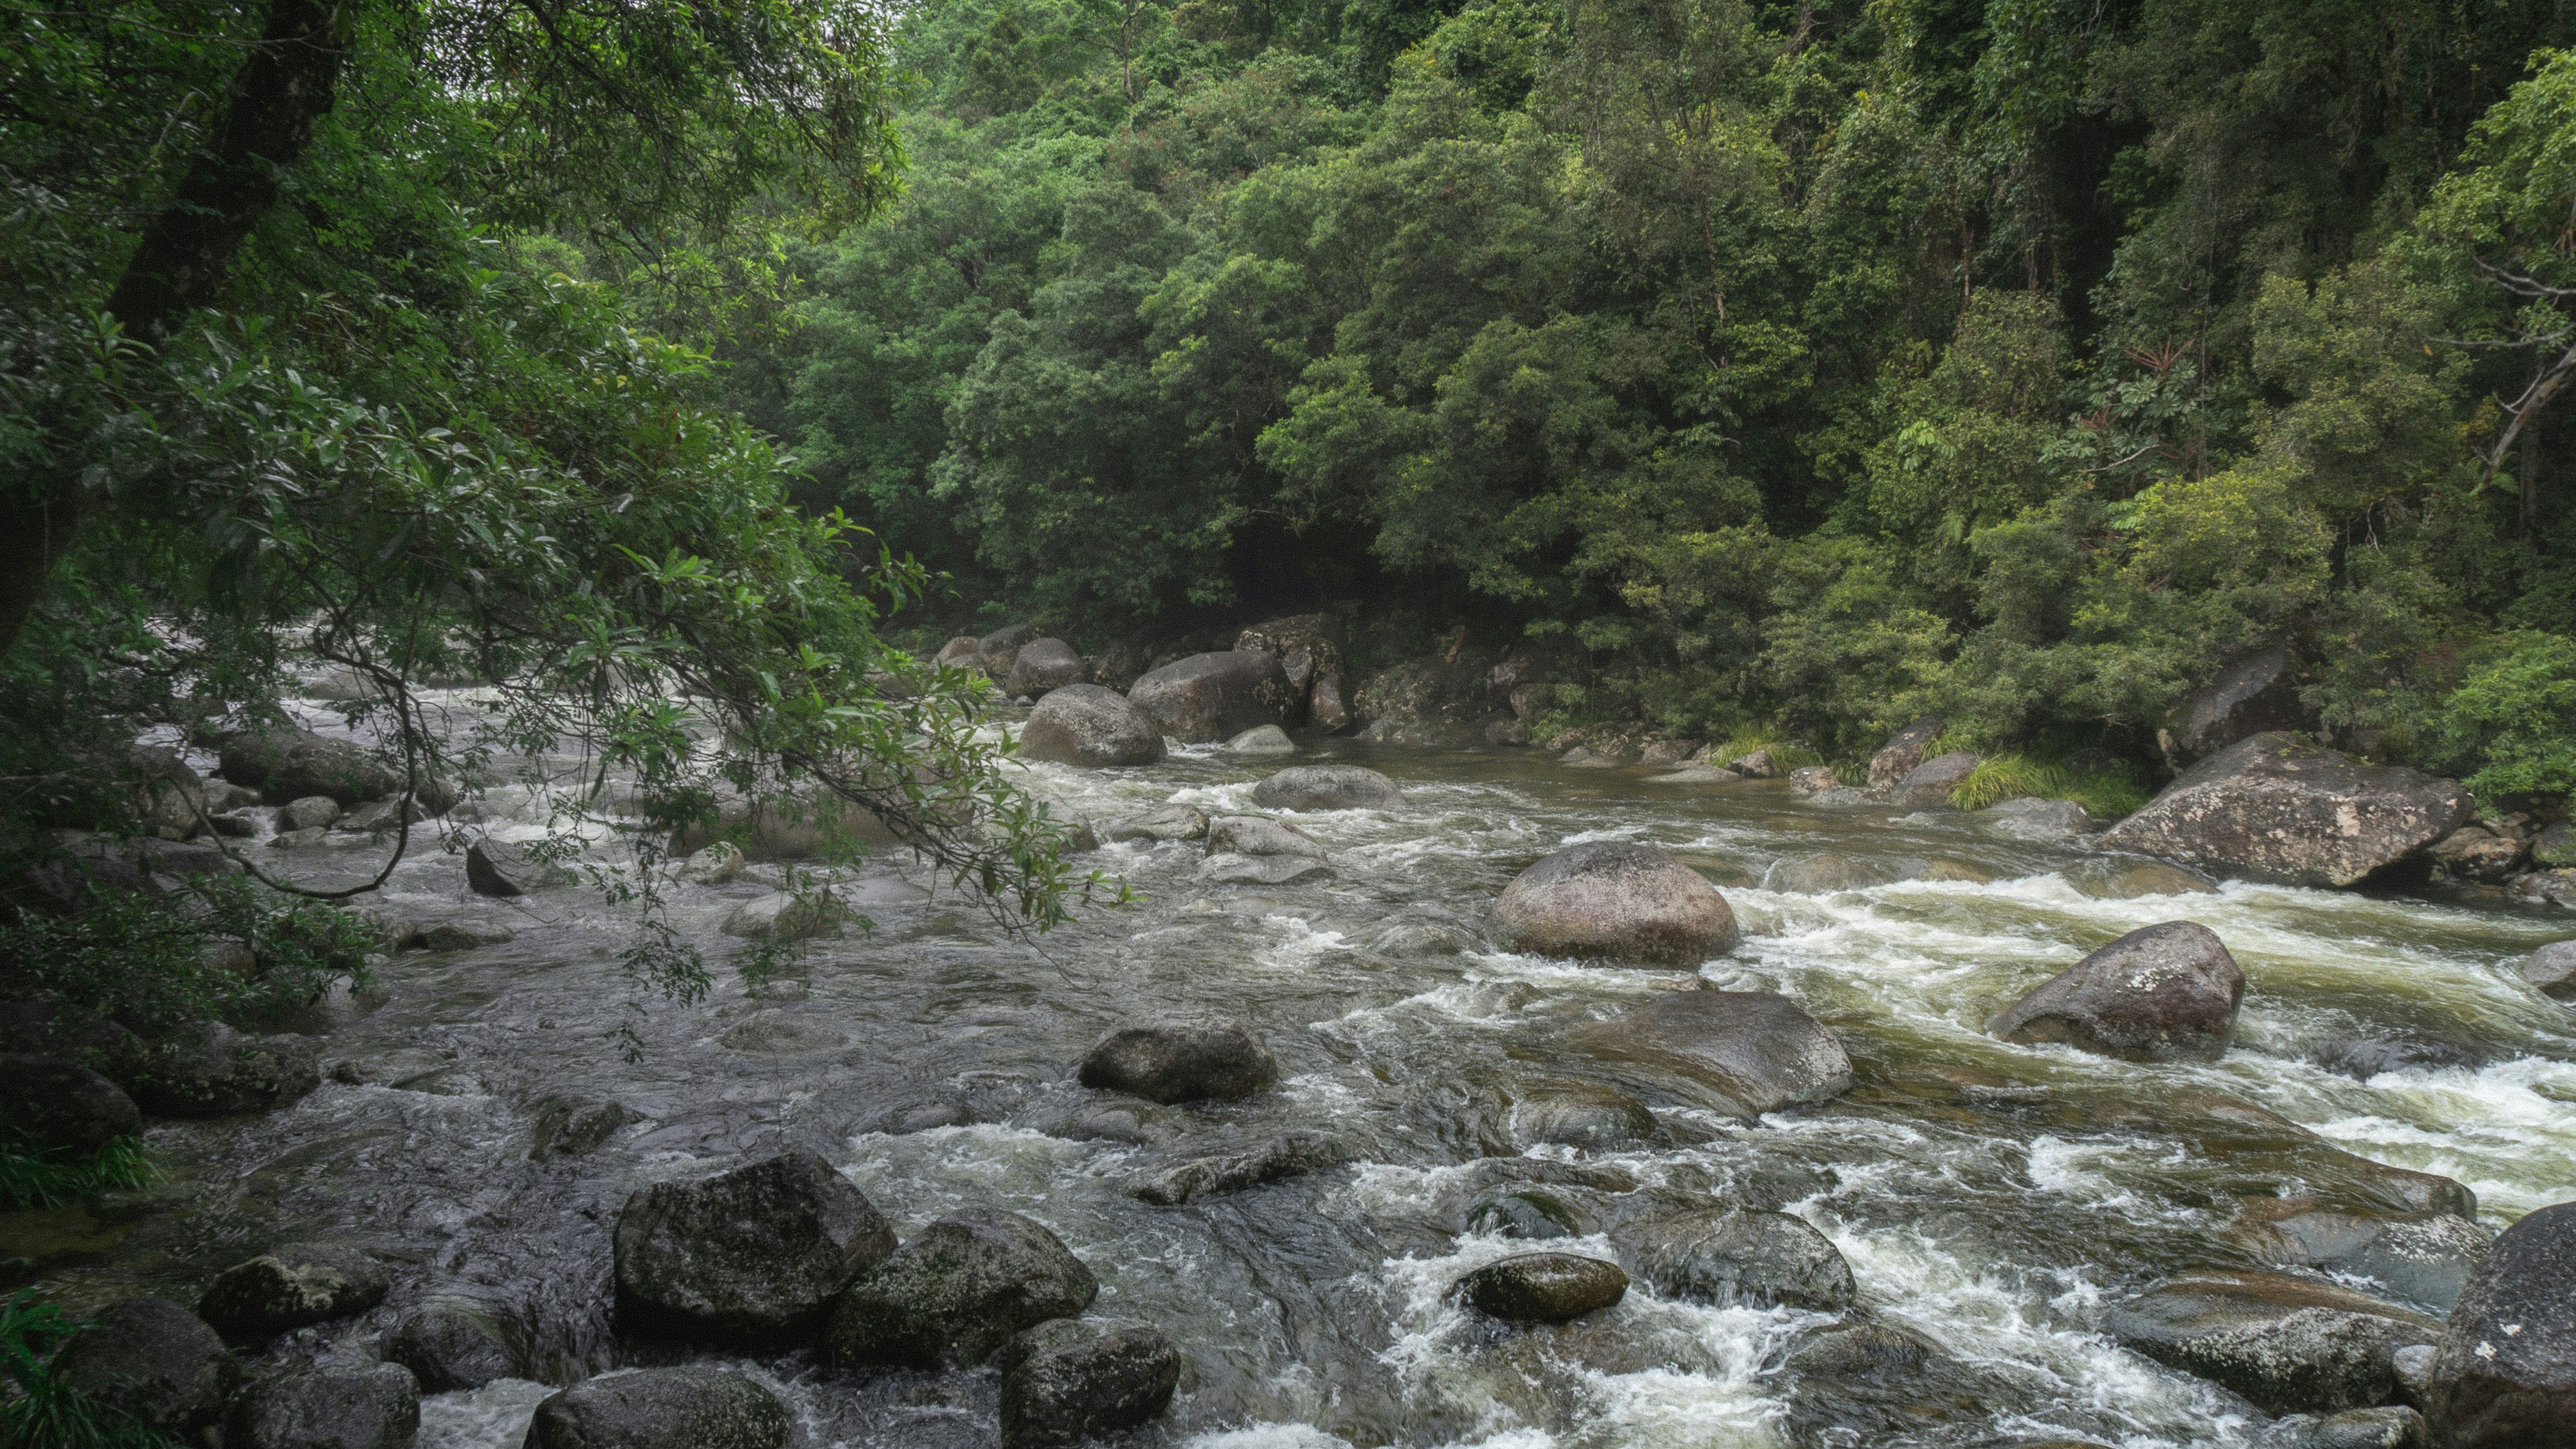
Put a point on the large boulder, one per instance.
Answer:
(1433, 700)
(1072, 1379)
(1212, 1172)
(1543, 1287)
(1748, 1052)
(2551, 970)
(752, 1255)
(2421, 1257)
(1309, 650)
(2247, 698)
(502, 870)
(958, 1290)
(1180, 1056)
(372, 1407)
(1167, 822)
(1209, 697)
(154, 1361)
(207, 1069)
(1084, 724)
(292, 1287)
(1327, 787)
(1262, 740)
(1613, 899)
(1903, 751)
(1928, 785)
(664, 1408)
(1726, 1256)
(60, 1106)
(2505, 1377)
(289, 764)
(2288, 1345)
(43, 1026)
(2161, 993)
(1042, 666)
(454, 1344)
(2276, 807)
(1260, 835)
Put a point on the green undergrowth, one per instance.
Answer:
(1787, 754)
(40, 1410)
(2106, 793)
(33, 1178)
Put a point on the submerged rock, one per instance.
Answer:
(2032, 818)
(2505, 1377)
(154, 1361)
(1531, 1213)
(1170, 822)
(1612, 899)
(374, 1407)
(2167, 992)
(782, 916)
(291, 1287)
(1593, 1118)
(1724, 1256)
(1069, 1380)
(2276, 807)
(57, 1105)
(570, 1125)
(1087, 725)
(751, 1255)
(1229, 868)
(453, 1344)
(1232, 1169)
(1214, 696)
(207, 1069)
(2395, 1427)
(1327, 787)
(1903, 751)
(780, 1032)
(958, 1290)
(1267, 739)
(2421, 1257)
(1180, 1056)
(2130, 882)
(1259, 835)
(1817, 875)
(664, 1408)
(1749, 1052)
(1543, 1287)
(2288, 1345)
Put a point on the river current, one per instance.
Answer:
(1992, 1199)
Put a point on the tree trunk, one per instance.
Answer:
(181, 262)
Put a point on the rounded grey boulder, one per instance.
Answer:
(453, 1345)
(1180, 1056)
(375, 1407)
(1747, 1052)
(754, 1254)
(1327, 787)
(1543, 1287)
(1260, 835)
(668, 1408)
(957, 1291)
(155, 1361)
(1611, 899)
(61, 1106)
(291, 1287)
(2551, 970)
(2161, 993)
(2506, 1374)
(1725, 1256)
(1041, 667)
(2275, 807)
(1072, 1379)
(1209, 697)
(1084, 724)
(2288, 1345)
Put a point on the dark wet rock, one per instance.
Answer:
(313, 812)
(1543, 1287)
(957, 1291)
(1532, 1213)
(1262, 740)
(1328, 705)
(2364, 1057)
(714, 865)
(1816, 875)
(2551, 970)
(1229, 868)
(1593, 1118)
(291, 1287)
(2473, 852)
(2415, 1364)
(2423, 1258)
(1096, 1117)
(1069, 1380)
(60, 1106)
(1222, 1170)
(2506, 1374)
(2288, 1345)
(377, 816)
(498, 868)
(465, 936)
(2546, 888)
(1699, 775)
(1085, 724)
(1616, 900)
(663, 1408)
(1327, 787)
(2278, 1154)
(210, 1070)
(2247, 698)
(1725, 1256)
(1259, 835)
(237, 825)
(291, 764)
(1929, 784)
(2396, 1427)
(298, 839)
(1170, 822)
(2161, 993)
(2555, 846)
(1903, 751)
(1759, 765)
(454, 1344)
(1180, 1056)
(1811, 780)
(2032, 818)
(2130, 882)
(1215, 696)
(2279, 808)
(1043, 666)
(155, 1361)
(1865, 1350)
(783, 1032)
(42, 1026)
(752, 1255)
(1750, 1052)
(783, 916)
(372, 1407)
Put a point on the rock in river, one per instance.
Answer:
(1229, 868)
(665, 1408)
(499, 868)
(153, 1360)
(1260, 835)
(958, 1290)
(2421, 1257)
(291, 1287)
(2393, 1427)
(1612, 899)
(1041, 667)
(1903, 751)
(1327, 787)
(1180, 1056)
(1929, 784)
(782, 916)
(61, 1106)
(1262, 740)
(2160, 993)
(751, 1255)
(1072, 1379)
(1168, 822)
(1750, 1052)
(2506, 1374)
(2288, 1345)
(2551, 970)
(1216, 696)
(1209, 1173)
(2279, 808)
(1725, 1256)
(1543, 1287)
(453, 1344)
(207, 1069)
(1085, 724)
(373, 1407)
(1816, 875)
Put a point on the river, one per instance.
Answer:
(1992, 1198)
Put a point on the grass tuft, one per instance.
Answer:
(31, 1178)
(1787, 754)
(37, 1408)
(2105, 794)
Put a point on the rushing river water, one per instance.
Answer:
(1991, 1198)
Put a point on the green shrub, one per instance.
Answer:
(2106, 793)
(1787, 754)
(39, 1409)
(2515, 718)
(31, 1177)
